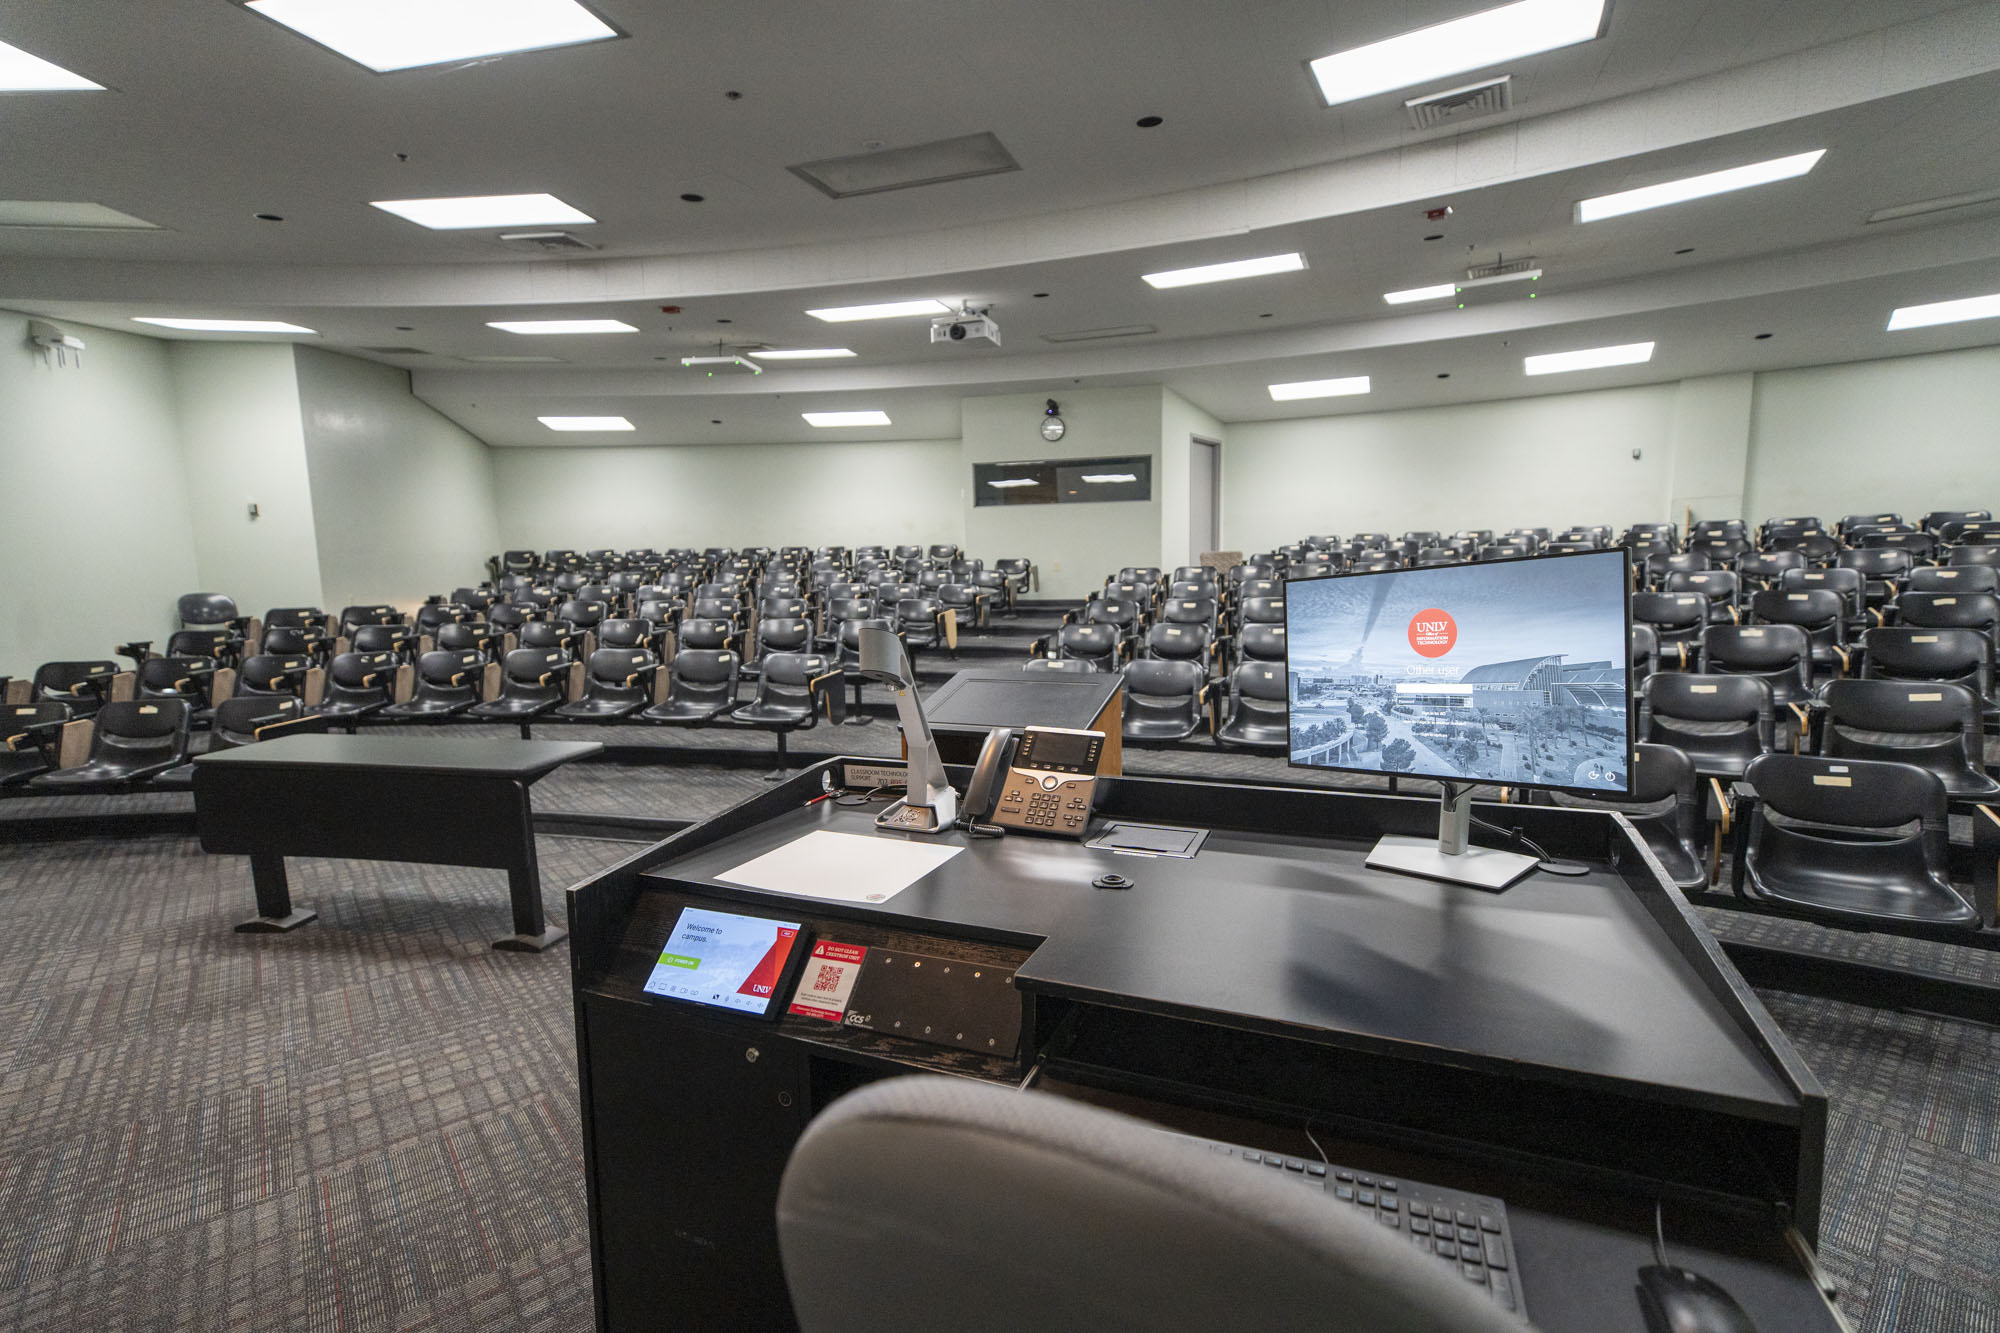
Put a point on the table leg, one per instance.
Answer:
(532, 932)
(275, 913)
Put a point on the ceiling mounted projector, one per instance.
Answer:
(722, 365)
(969, 322)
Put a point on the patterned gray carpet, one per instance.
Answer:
(371, 1124)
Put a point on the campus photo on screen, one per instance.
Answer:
(1510, 672)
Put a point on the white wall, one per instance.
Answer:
(242, 440)
(730, 495)
(95, 545)
(1076, 545)
(1910, 435)
(1180, 421)
(403, 499)
(1530, 462)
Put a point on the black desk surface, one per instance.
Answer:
(1020, 699)
(505, 758)
(1568, 978)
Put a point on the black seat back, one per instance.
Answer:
(240, 721)
(1778, 655)
(1908, 652)
(1721, 722)
(267, 673)
(1932, 725)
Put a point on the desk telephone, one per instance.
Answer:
(1044, 781)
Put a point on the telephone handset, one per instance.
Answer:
(1046, 780)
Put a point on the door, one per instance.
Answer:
(1204, 497)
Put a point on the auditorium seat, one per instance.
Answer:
(398, 639)
(1718, 586)
(248, 721)
(1950, 656)
(1764, 569)
(191, 679)
(793, 692)
(1101, 646)
(1934, 726)
(709, 635)
(29, 736)
(617, 682)
(701, 687)
(1848, 841)
(1181, 643)
(1678, 619)
(1819, 612)
(1069, 666)
(477, 635)
(1164, 699)
(1257, 714)
(267, 674)
(84, 687)
(1955, 579)
(533, 681)
(447, 684)
(1720, 722)
(360, 685)
(1978, 612)
(1261, 643)
(130, 741)
(1665, 807)
(1778, 655)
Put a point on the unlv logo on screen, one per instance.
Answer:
(1433, 633)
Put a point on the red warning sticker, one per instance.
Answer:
(1433, 633)
(828, 980)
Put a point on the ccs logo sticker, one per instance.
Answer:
(1433, 633)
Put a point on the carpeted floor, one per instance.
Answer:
(371, 1123)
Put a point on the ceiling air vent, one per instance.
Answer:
(1487, 98)
(395, 351)
(1095, 335)
(546, 240)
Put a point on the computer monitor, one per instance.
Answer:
(1509, 672)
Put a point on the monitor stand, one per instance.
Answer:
(1451, 857)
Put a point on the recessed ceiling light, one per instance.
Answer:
(1942, 204)
(1340, 388)
(1762, 336)
(586, 423)
(801, 353)
(561, 326)
(1945, 312)
(1151, 122)
(844, 314)
(1106, 478)
(1590, 358)
(1227, 272)
(23, 73)
(224, 325)
(1008, 483)
(515, 360)
(58, 215)
(1697, 187)
(389, 35)
(1437, 293)
(694, 198)
(487, 210)
(1473, 42)
(847, 418)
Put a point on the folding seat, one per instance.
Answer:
(701, 687)
(583, 615)
(1936, 727)
(1954, 579)
(247, 721)
(1498, 551)
(30, 737)
(519, 562)
(1722, 552)
(1963, 556)
(1778, 655)
(1820, 613)
(1937, 518)
(1265, 606)
(447, 684)
(1477, 536)
(665, 613)
(191, 679)
(1643, 655)
(1101, 646)
(1846, 584)
(1164, 700)
(1816, 548)
(1315, 569)
(1976, 611)
(1968, 531)
(309, 618)
(1720, 722)
(1181, 643)
(783, 634)
(433, 616)
(617, 682)
(602, 557)
(1659, 566)
(970, 602)
(600, 592)
(908, 553)
(533, 681)
(1191, 611)
(1260, 643)
(628, 632)
(1435, 557)
(1678, 618)
(359, 685)
(793, 693)
(1020, 575)
(708, 635)
(1798, 523)
(1918, 546)
(1719, 586)
(1850, 841)
(84, 686)
(621, 586)
(1849, 522)
(267, 674)
(1186, 590)
(1665, 808)
(210, 610)
(1194, 574)
(476, 600)
(567, 583)
(485, 639)
(1068, 666)
(999, 592)
(1764, 569)
(551, 634)
(945, 552)
(352, 617)
(1368, 541)
(210, 643)
(1127, 617)
(1422, 539)
(1719, 527)
(130, 741)
(920, 620)
(1884, 571)
(1257, 715)
(538, 603)
(1145, 575)
(398, 639)
(1380, 562)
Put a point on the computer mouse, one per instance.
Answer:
(1680, 1300)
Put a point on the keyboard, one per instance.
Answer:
(1468, 1232)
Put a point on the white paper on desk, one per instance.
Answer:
(841, 867)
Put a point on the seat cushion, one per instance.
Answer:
(685, 712)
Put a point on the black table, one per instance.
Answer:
(377, 798)
(972, 703)
(1578, 1047)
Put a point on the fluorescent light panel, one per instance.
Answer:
(1697, 187)
(847, 418)
(1945, 312)
(561, 326)
(800, 354)
(1104, 478)
(1340, 388)
(1589, 358)
(1437, 293)
(1490, 38)
(586, 423)
(845, 314)
(1227, 272)
(1008, 483)
(63, 215)
(469, 212)
(389, 35)
(23, 73)
(223, 325)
